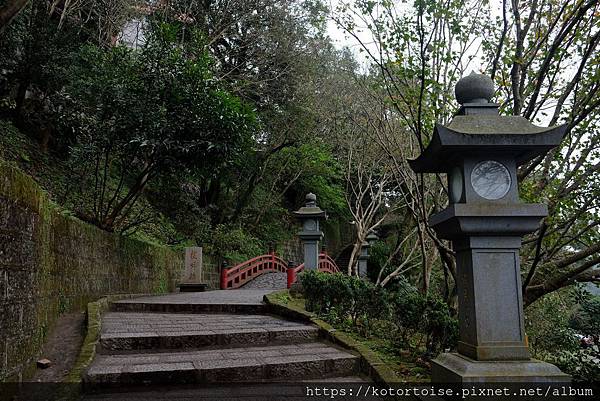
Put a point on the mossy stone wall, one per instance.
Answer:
(52, 263)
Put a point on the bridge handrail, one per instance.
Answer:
(326, 265)
(236, 276)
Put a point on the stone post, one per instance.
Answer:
(480, 152)
(363, 257)
(310, 235)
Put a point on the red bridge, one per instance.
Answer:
(237, 276)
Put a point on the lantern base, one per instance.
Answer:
(456, 368)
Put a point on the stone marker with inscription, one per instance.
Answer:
(192, 273)
(480, 152)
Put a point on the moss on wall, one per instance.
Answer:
(52, 263)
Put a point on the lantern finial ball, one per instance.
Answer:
(474, 88)
(311, 199)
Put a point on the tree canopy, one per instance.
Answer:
(230, 111)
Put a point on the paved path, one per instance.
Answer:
(247, 296)
(229, 301)
(268, 281)
(211, 338)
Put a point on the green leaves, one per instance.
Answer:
(140, 112)
(415, 320)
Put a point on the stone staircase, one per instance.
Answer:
(141, 345)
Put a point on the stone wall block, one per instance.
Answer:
(16, 250)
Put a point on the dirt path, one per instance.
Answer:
(62, 348)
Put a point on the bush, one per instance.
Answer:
(234, 245)
(344, 300)
(552, 324)
(586, 319)
(546, 323)
(415, 320)
(440, 326)
(423, 319)
(582, 364)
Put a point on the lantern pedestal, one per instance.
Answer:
(363, 259)
(492, 345)
(487, 239)
(456, 368)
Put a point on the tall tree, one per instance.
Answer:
(543, 57)
(141, 112)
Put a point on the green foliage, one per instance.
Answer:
(586, 318)
(345, 300)
(552, 324)
(123, 120)
(234, 245)
(414, 320)
(582, 364)
(322, 177)
(138, 113)
(423, 320)
(547, 323)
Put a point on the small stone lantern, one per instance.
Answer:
(363, 258)
(480, 152)
(310, 217)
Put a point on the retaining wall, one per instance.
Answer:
(52, 263)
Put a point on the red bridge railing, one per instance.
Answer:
(237, 276)
(326, 265)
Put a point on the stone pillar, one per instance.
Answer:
(310, 235)
(480, 152)
(491, 328)
(363, 258)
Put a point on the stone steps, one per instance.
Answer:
(314, 360)
(145, 331)
(242, 392)
(186, 339)
(166, 307)
(247, 301)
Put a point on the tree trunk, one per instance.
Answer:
(10, 10)
(354, 256)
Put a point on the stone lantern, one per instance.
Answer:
(310, 217)
(363, 257)
(480, 151)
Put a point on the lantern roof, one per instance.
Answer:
(478, 129)
(310, 210)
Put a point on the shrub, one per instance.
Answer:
(586, 319)
(440, 326)
(408, 306)
(344, 300)
(235, 245)
(423, 319)
(414, 320)
(581, 364)
(546, 323)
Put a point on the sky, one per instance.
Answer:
(341, 39)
